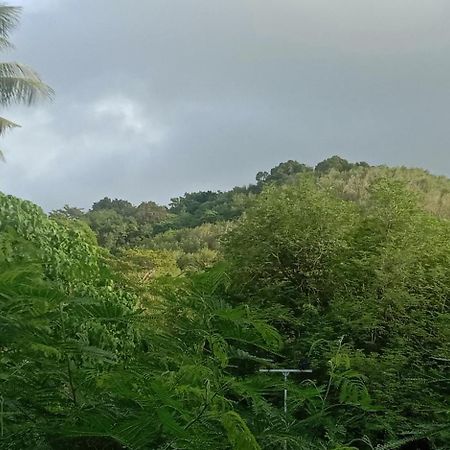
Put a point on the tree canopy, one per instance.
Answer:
(157, 344)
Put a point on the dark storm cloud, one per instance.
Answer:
(155, 98)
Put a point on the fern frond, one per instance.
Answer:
(239, 435)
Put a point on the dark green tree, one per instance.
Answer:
(283, 173)
(333, 163)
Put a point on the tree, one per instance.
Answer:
(289, 240)
(68, 212)
(335, 162)
(18, 82)
(150, 212)
(376, 273)
(122, 207)
(112, 229)
(283, 173)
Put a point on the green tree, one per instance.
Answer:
(289, 242)
(113, 230)
(334, 162)
(68, 212)
(122, 207)
(283, 173)
(376, 273)
(150, 213)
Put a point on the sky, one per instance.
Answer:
(155, 98)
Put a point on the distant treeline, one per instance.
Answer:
(188, 230)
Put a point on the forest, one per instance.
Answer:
(146, 326)
(171, 327)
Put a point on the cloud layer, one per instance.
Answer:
(155, 98)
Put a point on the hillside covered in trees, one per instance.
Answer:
(188, 230)
(146, 326)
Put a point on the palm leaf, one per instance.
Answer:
(6, 125)
(18, 83)
(5, 44)
(9, 18)
(21, 84)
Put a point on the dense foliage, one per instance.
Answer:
(377, 276)
(155, 338)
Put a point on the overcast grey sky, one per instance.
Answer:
(158, 97)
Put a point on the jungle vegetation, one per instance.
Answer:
(144, 327)
(154, 339)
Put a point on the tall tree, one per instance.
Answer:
(18, 82)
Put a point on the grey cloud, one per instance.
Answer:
(155, 98)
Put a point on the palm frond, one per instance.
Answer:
(9, 18)
(5, 43)
(6, 125)
(21, 84)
